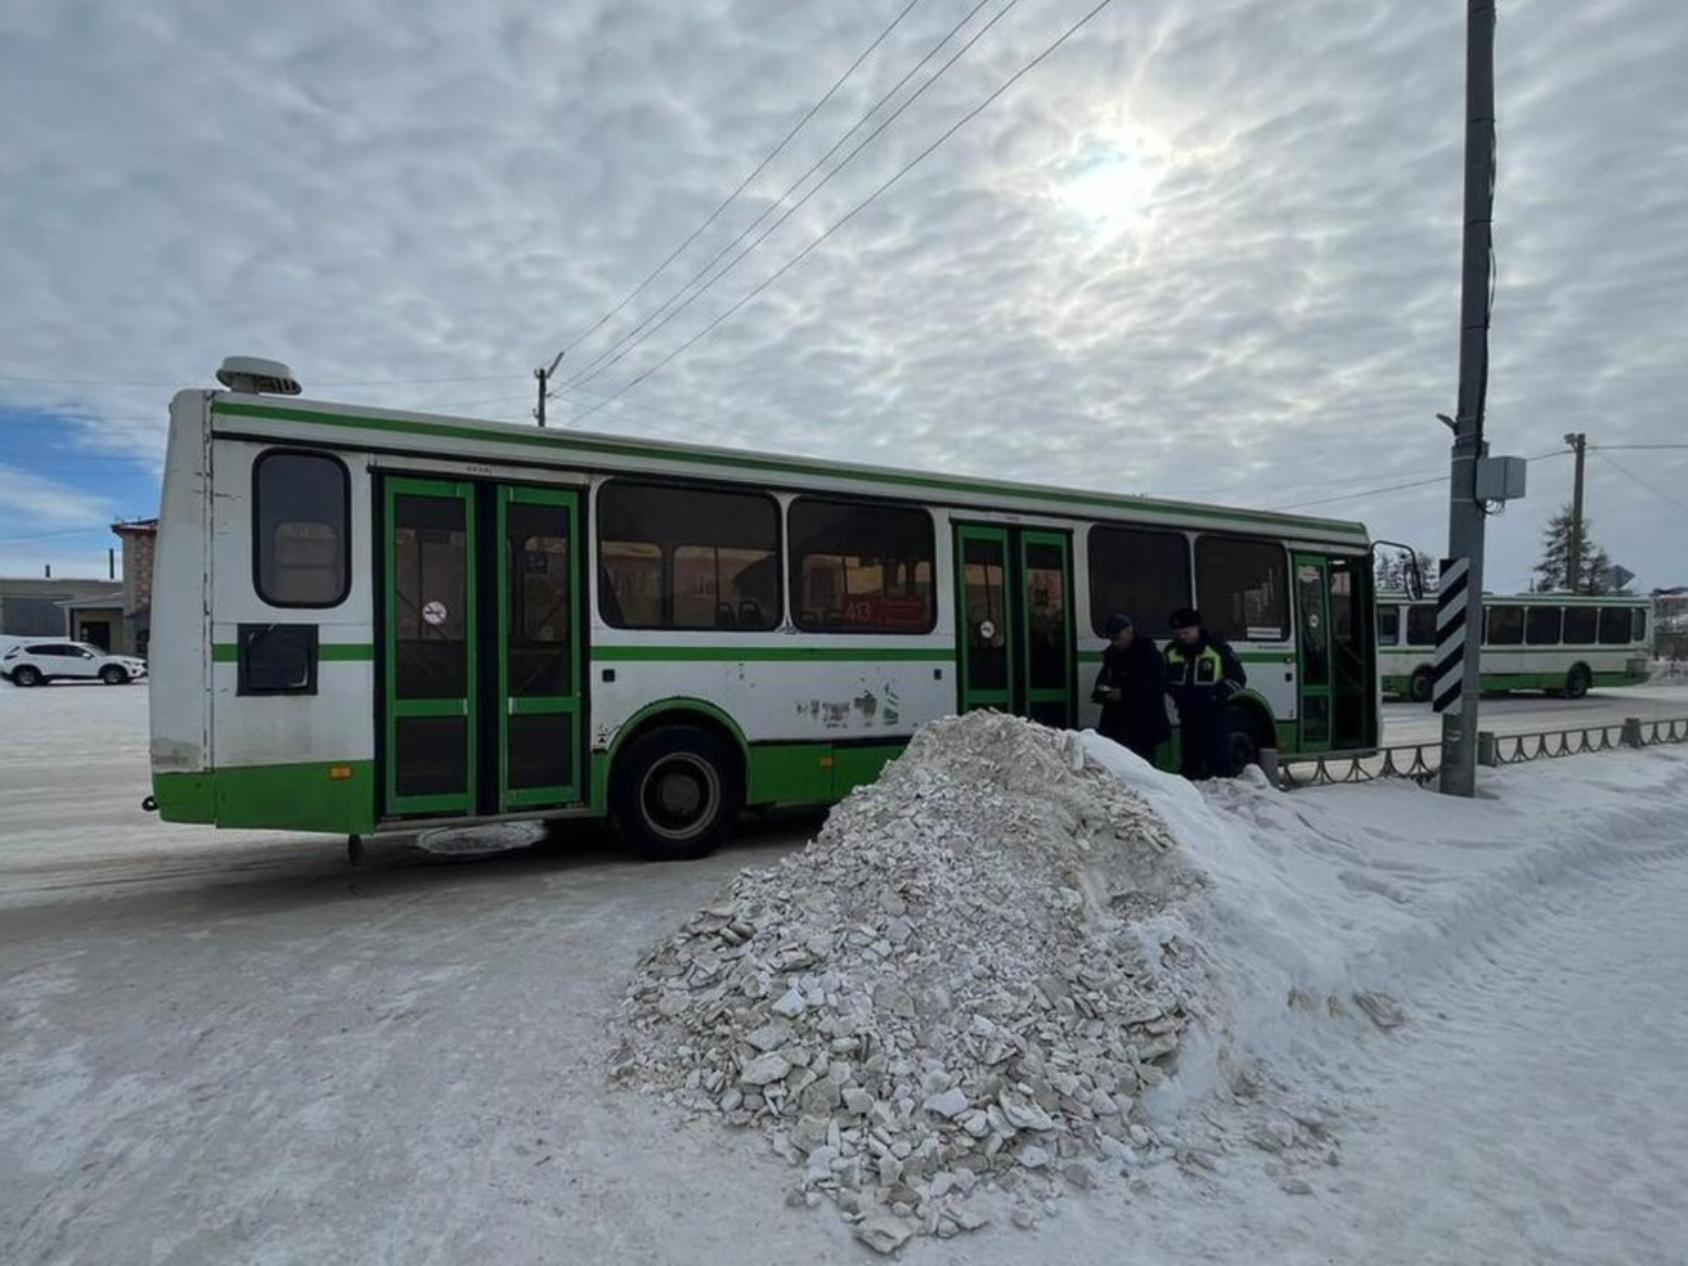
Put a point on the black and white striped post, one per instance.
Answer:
(1453, 593)
(1457, 655)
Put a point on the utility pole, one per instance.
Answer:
(1573, 555)
(544, 376)
(1466, 513)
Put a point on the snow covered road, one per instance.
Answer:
(218, 1048)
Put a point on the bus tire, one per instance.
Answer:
(1577, 682)
(26, 675)
(675, 794)
(1244, 741)
(112, 675)
(1421, 686)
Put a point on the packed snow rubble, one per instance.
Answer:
(950, 1004)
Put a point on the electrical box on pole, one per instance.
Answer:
(1500, 479)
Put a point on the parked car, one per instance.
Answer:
(33, 663)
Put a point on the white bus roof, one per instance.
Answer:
(355, 427)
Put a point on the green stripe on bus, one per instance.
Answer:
(746, 654)
(327, 653)
(788, 466)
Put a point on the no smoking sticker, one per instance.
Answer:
(434, 613)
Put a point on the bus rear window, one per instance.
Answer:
(861, 567)
(1640, 624)
(301, 546)
(1388, 626)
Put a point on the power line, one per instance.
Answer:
(644, 329)
(1401, 487)
(1638, 480)
(743, 184)
(36, 536)
(863, 204)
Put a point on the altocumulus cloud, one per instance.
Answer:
(1208, 248)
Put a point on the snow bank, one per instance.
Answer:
(950, 989)
(1025, 961)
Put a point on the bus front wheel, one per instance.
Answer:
(675, 795)
(1245, 747)
(1576, 682)
(1419, 688)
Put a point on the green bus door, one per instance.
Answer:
(1312, 599)
(1014, 605)
(538, 650)
(430, 654)
(481, 649)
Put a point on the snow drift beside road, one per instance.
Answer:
(1280, 932)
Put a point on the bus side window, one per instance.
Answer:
(1421, 625)
(1505, 626)
(1580, 625)
(301, 545)
(1388, 626)
(1615, 626)
(683, 557)
(861, 567)
(1140, 573)
(1541, 627)
(1242, 588)
(1641, 624)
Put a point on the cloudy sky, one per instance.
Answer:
(1209, 248)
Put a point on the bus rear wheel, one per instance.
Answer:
(1419, 688)
(1576, 682)
(675, 795)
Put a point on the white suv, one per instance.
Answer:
(32, 663)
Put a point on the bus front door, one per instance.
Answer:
(1312, 600)
(1015, 635)
(481, 654)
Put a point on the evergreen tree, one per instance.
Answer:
(1552, 573)
(1428, 568)
(1597, 572)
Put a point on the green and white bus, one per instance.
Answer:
(367, 620)
(1563, 644)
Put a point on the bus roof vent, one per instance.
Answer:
(258, 377)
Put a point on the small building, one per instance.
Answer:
(140, 545)
(35, 607)
(115, 615)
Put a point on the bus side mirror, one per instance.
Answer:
(1415, 578)
(1412, 578)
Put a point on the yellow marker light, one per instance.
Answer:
(826, 762)
(339, 773)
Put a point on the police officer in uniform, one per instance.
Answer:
(1132, 690)
(1203, 673)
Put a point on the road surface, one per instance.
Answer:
(1524, 713)
(231, 1047)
